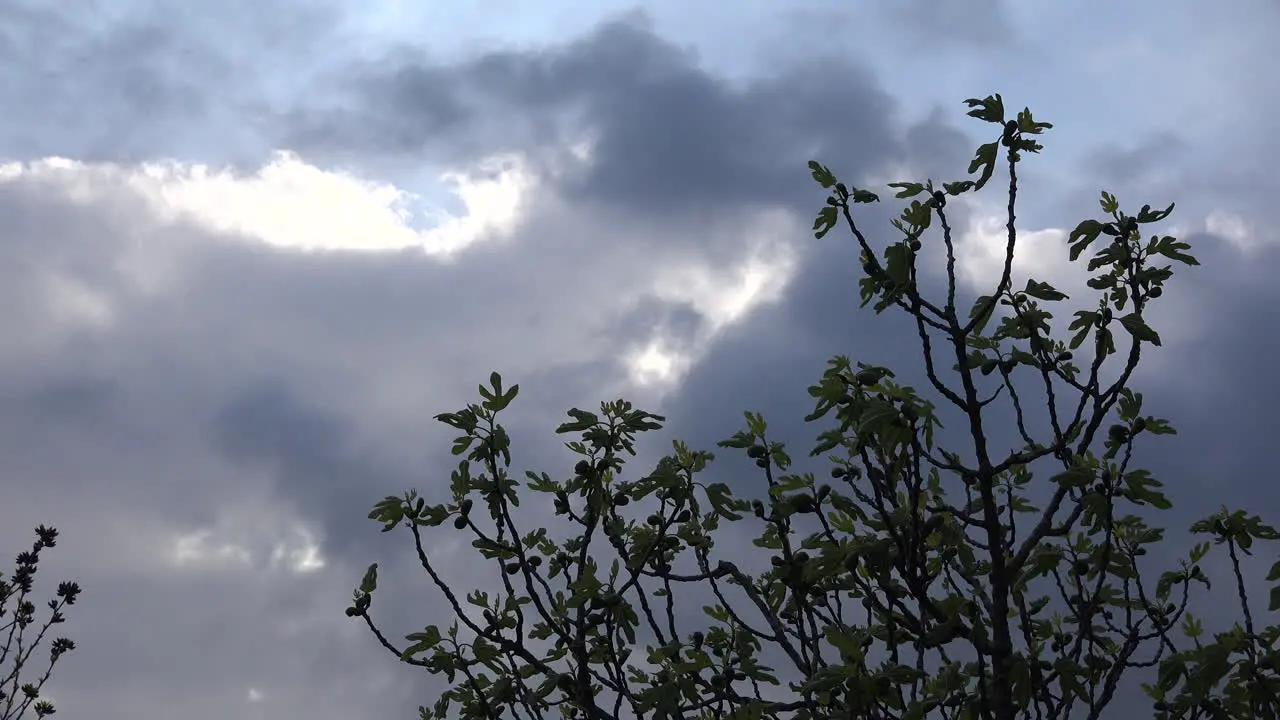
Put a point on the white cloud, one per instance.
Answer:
(721, 295)
(1042, 254)
(290, 203)
(1234, 228)
(200, 549)
(249, 535)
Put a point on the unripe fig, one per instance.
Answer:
(582, 468)
(1155, 292)
(465, 506)
(756, 451)
(762, 463)
(915, 246)
(460, 522)
(932, 524)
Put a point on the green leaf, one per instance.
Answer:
(500, 401)
(876, 417)
(1139, 329)
(721, 500)
(985, 307)
(389, 511)
(985, 158)
(1044, 291)
(1147, 215)
(462, 444)
(1109, 204)
(907, 189)
(492, 549)
(370, 581)
(1077, 476)
(422, 642)
(1083, 236)
(990, 109)
(822, 174)
(824, 222)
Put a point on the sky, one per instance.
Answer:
(248, 250)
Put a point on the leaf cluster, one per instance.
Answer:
(16, 697)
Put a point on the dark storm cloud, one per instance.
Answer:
(311, 457)
(668, 136)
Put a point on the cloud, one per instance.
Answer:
(228, 366)
(240, 277)
(664, 136)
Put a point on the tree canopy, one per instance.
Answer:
(923, 575)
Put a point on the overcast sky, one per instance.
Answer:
(248, 249)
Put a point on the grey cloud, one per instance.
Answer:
(134, 81)
(76, 399)
(979, 26)
(311, 457)
(669, 137)
(316, 374)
